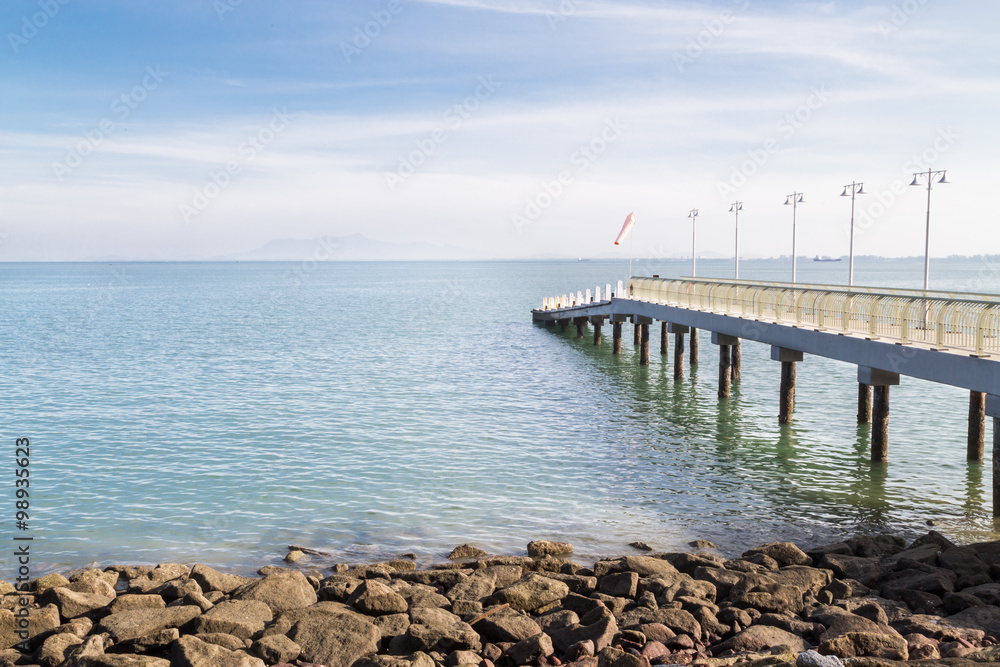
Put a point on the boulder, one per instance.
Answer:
(540, 548)
(621, 584)
(865, 570)
(280, 591)
(376, 599)
(157, 641)
(54, 649)
(136, 601)
(40, 621)
(600, 633)
(759, 638)
(811, 658)
(530, 649)
(476, 586)
(190, 651)
(72, 604)
(532, 592)
(785, 553)
(240, 618)
(937, 582)
(331, 636)
(866, 644)
(213, 580)
(135, 623)
(963, 561)
(438, 630)
(274, 649)
(770, 597)
(463, 551)
(508, 627)
(53, 580)
(615, 657)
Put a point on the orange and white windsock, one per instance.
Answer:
(626, 228)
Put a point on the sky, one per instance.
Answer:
(509, 128)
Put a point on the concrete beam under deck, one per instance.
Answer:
(915, 360)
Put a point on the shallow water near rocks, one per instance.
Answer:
(203, 412)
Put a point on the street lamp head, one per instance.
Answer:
(844, 193)
(914, 180)
(944, 178)
(861, 190)
(787, 202)
(801, 200)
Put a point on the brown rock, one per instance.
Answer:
(600, 633)
(621, 584)
(331, 636)
(758, 638)
(40, 621)
(530, 649)
(436, 629)
(854, 644)
(280, 591)
(508, 627)
(539, 548)
(920, 647)
(614, 657)
(476, 586)
(532, 592)
(213, 580)
(190, 651)
(136, 601)
(276, 648)
(785, 553)
(53, 650)
(240, 618)
(466, 551)
(53, 580)
(136, 623)
(376, 599)
(865, 570)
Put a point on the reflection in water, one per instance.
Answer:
(975, 498)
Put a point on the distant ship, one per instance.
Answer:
(825, 258)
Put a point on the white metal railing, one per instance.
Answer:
(942, 319)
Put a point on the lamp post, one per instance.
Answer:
(794, 200)
(927, 237)
(694, 219)
(736, 208)
(856, 189)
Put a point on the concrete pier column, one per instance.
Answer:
(864, 403)
(996, 467)
(694, 347)
(977, 426)
(635, 331)
(562, 325)
(598, 322)
(725, 343)
(643, 344)
(737, 360)
(617, 321)
(580, 326)
(678, 330)
(881, 381)
(664, 339)
(786, 400)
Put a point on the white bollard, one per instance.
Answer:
(607, 291)
(621, 290)
(589, 300)
(597, 294)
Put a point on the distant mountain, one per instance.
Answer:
(356, 247)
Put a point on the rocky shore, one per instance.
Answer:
(866, 602)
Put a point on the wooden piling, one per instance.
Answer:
(678, 356)
(664, 339)
(562, 325)
(864, 403)
(880, 424)
(737, 354)
(635, 331)
(694, 347)
(580, 326)
(787, 400)
(977, 425)
(616, 337)
(725, 370)
(644, 345)
(996, 467)
(597, 333)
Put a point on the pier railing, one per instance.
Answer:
(941, 319)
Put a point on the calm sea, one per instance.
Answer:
(216, 413)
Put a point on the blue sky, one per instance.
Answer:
(511, 128)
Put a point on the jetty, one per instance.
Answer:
(951, 338)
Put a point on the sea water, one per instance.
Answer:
(218, 412)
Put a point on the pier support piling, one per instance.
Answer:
(580, 326)
(996, 467)
(786, 401)
(694, 347)
(864, 403)
(664, 339)
(598, 322)
(977, 426)
(616, 334)
(562, 325)
(644, 345)
(737, 355)
(726, 345)
(881, 381)
(678, 330)
(635, 331)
